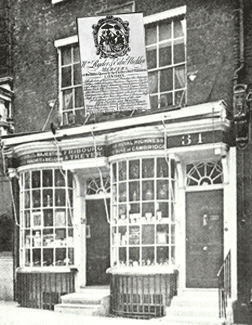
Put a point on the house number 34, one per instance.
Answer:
(189, 139)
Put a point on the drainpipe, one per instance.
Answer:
(241, 45)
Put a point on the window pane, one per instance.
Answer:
(67, 99)
(178, 28)
(80, 116)
(151, 55)
(164, 31)
(76, 53)
(153, 82)
(66, 77)
(180, 98)
(35, 179)
(47, 178)
(179, 52)
(148, 257)
(36, 199)
(166, 100)
(151, 35)
(148, 168)
(66, 55)
(165, 57)
(27, 180)
(166, 80)
(77, 74)
(154, 102)
(134, 169)
(79, 97)
(179, 77)
(148, 235)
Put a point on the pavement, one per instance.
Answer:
(12, 314)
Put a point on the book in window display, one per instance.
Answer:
(60, 218)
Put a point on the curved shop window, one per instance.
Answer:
(46, 212)
(143, 222)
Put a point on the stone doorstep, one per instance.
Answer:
(78, 309)
(90, 302)
(196, 306)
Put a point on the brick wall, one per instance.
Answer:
(210, 50)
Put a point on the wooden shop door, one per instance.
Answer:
(97, 242)
(204, 238)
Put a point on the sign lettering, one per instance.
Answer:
(113, 63)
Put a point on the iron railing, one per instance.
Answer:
(224, 285)
(43, 289)
(141, 296)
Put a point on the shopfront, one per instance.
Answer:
(139, 198)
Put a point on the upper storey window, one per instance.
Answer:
(165, 41)
(71, 96)
(166, 59)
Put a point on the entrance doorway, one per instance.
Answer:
(204, 238)
(97, 242)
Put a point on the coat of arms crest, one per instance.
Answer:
(111, 37)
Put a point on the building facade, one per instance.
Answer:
(156, 190)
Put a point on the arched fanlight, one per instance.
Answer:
(206, 173)
(98, 185)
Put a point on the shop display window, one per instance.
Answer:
(143, 223)
(46, 212)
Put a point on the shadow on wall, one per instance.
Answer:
(6, 259)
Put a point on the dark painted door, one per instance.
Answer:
(97, 241)
(204, 238)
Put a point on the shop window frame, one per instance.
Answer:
(46, 218)
(143, 225)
